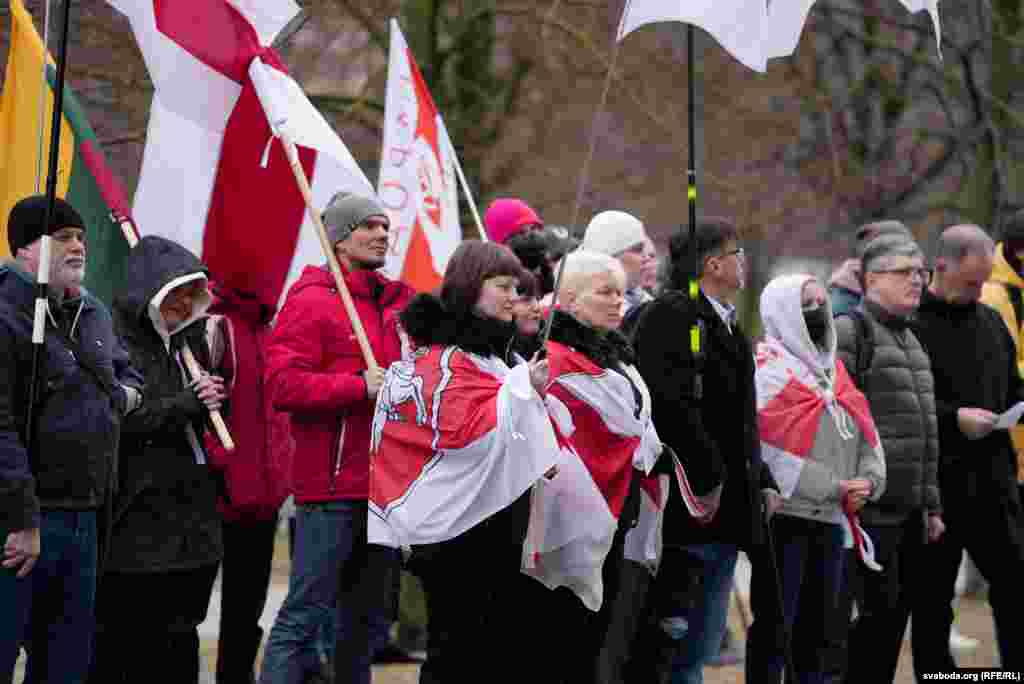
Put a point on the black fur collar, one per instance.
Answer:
(604, 349)
(426, 322)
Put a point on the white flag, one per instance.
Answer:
(738, 25)
(786, 19)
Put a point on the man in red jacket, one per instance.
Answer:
(316, 372)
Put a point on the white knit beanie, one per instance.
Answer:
(613, 232)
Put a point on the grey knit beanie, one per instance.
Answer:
(345, 212)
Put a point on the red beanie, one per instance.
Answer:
(506, 217)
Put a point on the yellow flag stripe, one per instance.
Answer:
(19, 121)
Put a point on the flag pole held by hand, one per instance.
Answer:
(191, 365)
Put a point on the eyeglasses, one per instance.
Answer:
(907, 273)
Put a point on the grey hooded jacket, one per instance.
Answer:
(840, 450)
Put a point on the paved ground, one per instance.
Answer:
(974, 619)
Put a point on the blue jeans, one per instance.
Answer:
(50, 611)
(707, 616)
(329, 539)
(810, 569)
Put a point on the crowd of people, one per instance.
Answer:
(568, 443)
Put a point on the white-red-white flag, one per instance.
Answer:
(213, 177)
(417, 175)
(455, 438)
(644, 542)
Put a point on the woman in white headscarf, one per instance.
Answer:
(819, 440)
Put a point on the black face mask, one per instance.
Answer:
(817, 323)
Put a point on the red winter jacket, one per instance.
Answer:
(314, 372)
(257, 472)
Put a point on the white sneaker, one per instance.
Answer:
(959, 642)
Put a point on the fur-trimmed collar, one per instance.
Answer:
(426, 322)
(605, 349)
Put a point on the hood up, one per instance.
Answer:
(154, 267)
(783, 318)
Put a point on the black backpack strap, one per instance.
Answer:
(865, 347)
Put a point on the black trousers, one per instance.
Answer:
(579, 633)
(988, 523)
(147, 626)
(627, 616)
(245, 579)
(906, 585)
(480, 606)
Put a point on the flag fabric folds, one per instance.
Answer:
(455, 438)
(213, 177)
(417, 175)
(752, 31)
(83, 177)
(789, 410)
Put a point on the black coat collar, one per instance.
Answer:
(604, 349)
(427, 323)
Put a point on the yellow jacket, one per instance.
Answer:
(995, 295)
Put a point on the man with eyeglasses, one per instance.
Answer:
(704, 408)
(976, 379)
(888, 363)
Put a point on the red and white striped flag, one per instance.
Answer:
(789, 409)
(213, 178)
(417, 175)
(455, 438)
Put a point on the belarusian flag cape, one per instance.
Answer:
(790, 405)
(456, 438)
(644, 542)
(603, 419)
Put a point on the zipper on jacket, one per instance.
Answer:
(924, 421)
(336, 459)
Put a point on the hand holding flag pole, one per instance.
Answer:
(191, 364)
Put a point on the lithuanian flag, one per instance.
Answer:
(83, 177)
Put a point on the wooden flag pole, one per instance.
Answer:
(191, 364)
(332, 260)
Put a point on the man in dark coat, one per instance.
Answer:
(974, 363)
(165, 536)
(704, 409)
(49, 499)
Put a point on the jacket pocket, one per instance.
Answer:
(337, 453)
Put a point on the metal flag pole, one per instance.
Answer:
(43, 272)
(584, 176)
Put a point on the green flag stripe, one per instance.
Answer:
(107, 247)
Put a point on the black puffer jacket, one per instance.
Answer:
(78, 412)
(901, 392)
(165, 514)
